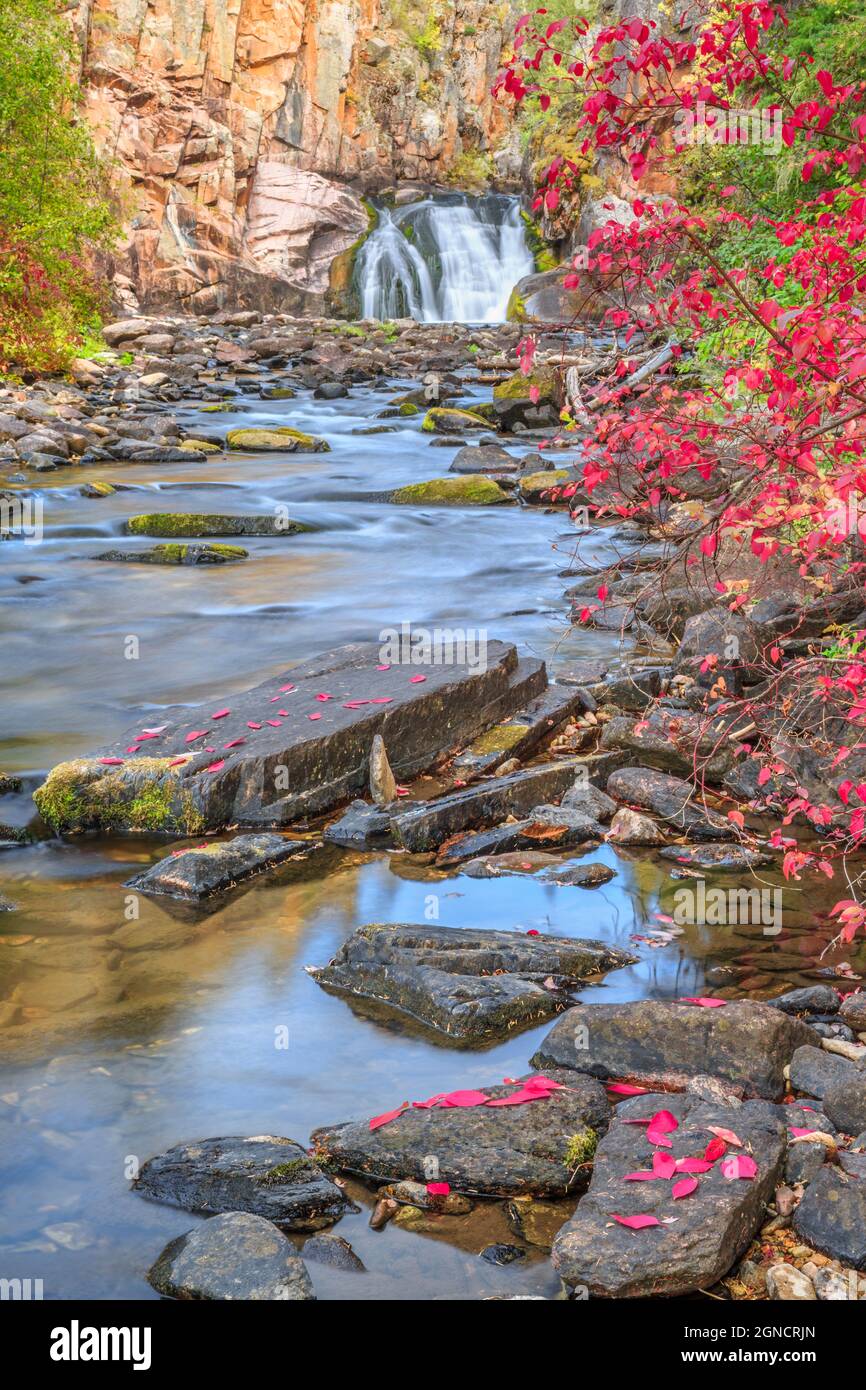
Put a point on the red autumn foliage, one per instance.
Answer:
(777, 432)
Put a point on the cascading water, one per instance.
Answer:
(450, 259)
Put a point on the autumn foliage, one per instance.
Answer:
(764, 397)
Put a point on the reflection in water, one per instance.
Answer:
(126, 1034)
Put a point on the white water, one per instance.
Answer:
(458, 263)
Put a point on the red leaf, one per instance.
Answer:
(636, 1223)
(684, 1188)
(717, 1148)
(221, 714)
(196, 733)
(738, 1166)
(727, 1134)
(702, 1002)
(438, 1189)
(622, 1088)
(388, 1116)
(664, 1165)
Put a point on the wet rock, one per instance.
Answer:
(631, 828)
(361, 826)
(853, 1011)
(416, 1194)
(476, 491)
(729, 637)
(269, 768)
(428, 824)
(803, 1161)
(173, 524)
(786, 1282)
(334, 1251)
(632, 692)
(502, 1254)
(486, 1151)
(522, 734)
(9, 785)
(814, 999)
(266, 1176)
(538, 488)
(672, 799)
(331, 391)
(718, 858)
(280, 439)
(580, 875)
(177, 555)
(516, 862)
(845, 1103)
(469, 986)
(445, 420)
(709, 1230)
(212, 868)
(474, 459)
(655, 1043)
(231, 1257)
(832, 1217)
(815, 1071)
(516, 836)
(593, 802)
(383, 787)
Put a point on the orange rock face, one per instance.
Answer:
(246, 131)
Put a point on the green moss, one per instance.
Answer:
(9, 784)
(198, 525)
(201, 446)
(342, 297)
(516, 310)
(407, 408)
(276, 438)
(99, 489)
(472, 170)
(287, 1172)
(218, 407)
(461, 491)
(518, 386)
(534, 485)
(543, 255)
(142, 795)
(581, 1148)
(497, 740)
(445, 420)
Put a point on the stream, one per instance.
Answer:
(169, 1028)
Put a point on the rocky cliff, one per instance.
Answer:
(245, 132)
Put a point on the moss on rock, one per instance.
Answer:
(518, 386)
(201, 446)
(534, 485)
(144, 794)
(202, 524)
(463, 491)
(446, 420)
(279, 438)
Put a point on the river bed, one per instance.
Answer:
(134, 1036)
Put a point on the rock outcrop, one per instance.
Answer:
(246, 131)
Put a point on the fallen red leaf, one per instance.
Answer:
(704, 1003)
(727, 1134)
(684, 1188)
(196, 733)
(717, 1148)
(388, 1116)
(739, 1166)
(636, 1223)
(221, 714)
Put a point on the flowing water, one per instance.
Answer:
(136, 1035)
(447, 259)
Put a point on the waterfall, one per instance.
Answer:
(451, 259)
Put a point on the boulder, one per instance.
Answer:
(467, 986)
(815, 1071)
(832, 1217)
(265, 1176)
(671, 798)
(700, 1236)
(463, 491)
(845, 1103)
(278, 752)
(177, 555)
(853, 1011)
(654, 1043)
(474, 458)
(670, 742)
(197, 873)
(813, 999)
(231, 1257)
(172, 524)
(717, 858)
(446, 420)
(276, 439)
(509, 1150)
(631, 828)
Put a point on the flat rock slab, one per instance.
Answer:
(273, 754)
(832, 1216)
(197, 873)
(471, 986)
(672, 799)
(265, 1175)
(522, 734)
(484, 1151)
(231, 1257)
(361, 826)
(660, 1044)
(716, 858)
(708, 1229)
(427, 824)
(567, 831)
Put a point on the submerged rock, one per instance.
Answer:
(177, 555)
(427, 824)
(196, 873)
(279, 752)
(469, 986)
(265, 1176)
(580, 875)
(708, 1230)
(480, 1150)
(332, 1250)
(662, 1044)
(199, 524)
(230, 1257)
